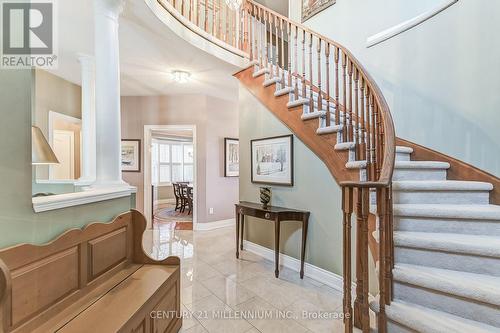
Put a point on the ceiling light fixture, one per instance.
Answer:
(234, 4)
(181, 76)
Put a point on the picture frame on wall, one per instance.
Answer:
(231, 157)
(272, 160)
(313, 7)
(131, 155)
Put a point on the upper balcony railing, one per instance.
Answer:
(213, 19)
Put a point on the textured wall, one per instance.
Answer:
(440, 78)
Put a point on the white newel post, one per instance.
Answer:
(88, 172)
(107, 66)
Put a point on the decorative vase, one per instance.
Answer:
(265, 196)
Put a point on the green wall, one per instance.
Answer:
(315, 190)
(18, 222)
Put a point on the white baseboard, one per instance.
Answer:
(319, 274)
(214, 225)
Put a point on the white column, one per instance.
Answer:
(107, 65)
(88, 170)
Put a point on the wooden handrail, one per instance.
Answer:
(388, 158)
(367, 127)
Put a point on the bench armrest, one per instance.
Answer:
(139, 255)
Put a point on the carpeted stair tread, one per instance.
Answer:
(260, 72)
(458, 243)
(426, 320)
(313, 115)
(441, 185)
(479, 212)
(421, 165)
(284, 91)
(329, 129)
(345, 145)
(297, 102)
(271, 81)
(479, 287)
(404, 150)
(356, 164)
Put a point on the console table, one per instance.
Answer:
(277, 215)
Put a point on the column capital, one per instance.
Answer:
(110, 8)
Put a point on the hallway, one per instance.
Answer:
(222, 294)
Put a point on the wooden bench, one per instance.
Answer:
(93, 280)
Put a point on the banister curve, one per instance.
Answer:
(387, 168)
(228, 29)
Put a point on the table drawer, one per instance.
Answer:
(256, 213)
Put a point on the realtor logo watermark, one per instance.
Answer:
(28, 34)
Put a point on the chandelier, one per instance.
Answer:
(234, 4)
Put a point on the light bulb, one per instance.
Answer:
(181, 76)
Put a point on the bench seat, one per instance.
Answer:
(93, 280)
(120, 310)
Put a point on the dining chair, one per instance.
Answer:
(178, 197)
(184, 197)
(190, 199)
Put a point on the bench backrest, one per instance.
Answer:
(40, 281)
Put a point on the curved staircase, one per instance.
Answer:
(447, 251)
(446, 234)
(431, 222)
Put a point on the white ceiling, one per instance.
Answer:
(149, 51)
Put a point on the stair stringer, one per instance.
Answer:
(322, 146)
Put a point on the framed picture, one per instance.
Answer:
(131, 155)
(272, 160)
(313, 7)
(231, 157)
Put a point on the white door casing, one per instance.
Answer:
(64, 148)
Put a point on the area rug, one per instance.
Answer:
(168, 214)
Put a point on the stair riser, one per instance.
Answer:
(419, 174)
(393, 327)
(447, 260)
(462, 307)
(403, 157)
(469, 227)
(441, 197)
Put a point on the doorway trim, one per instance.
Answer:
(148, 141)
(52, 118)
(71, 136)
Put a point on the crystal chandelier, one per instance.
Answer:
(234, 4)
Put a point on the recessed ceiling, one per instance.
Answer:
(149, 52)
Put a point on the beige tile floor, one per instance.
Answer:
(222, 294)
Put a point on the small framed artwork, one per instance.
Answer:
(231, 157)
(272, 160)
(313, 7)
(131, 155)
